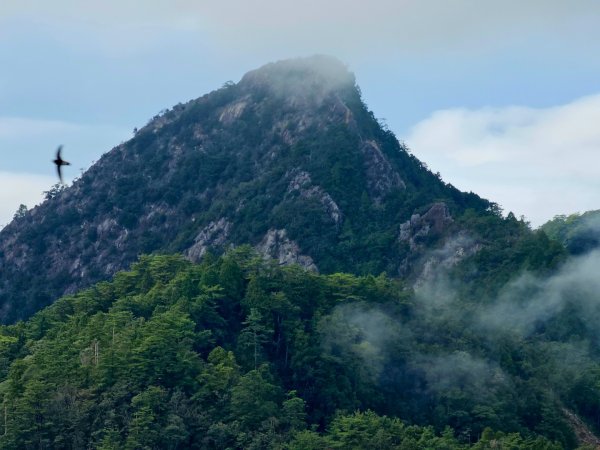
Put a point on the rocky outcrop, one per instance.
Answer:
(277, 245)
(438, 261)
(215, 234)
(232, 111)
(433, 222)
(302, 183)
(585, 436)
(432, 228)
(381, 176)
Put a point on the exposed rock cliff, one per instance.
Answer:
(431, 224)
(278, 246)
(214, 235)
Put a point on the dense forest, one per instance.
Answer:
(240, 352)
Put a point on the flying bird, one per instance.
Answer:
(60, 162)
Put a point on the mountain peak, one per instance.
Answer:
(319, 72)
(289, 160)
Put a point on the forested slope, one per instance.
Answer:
(239, 352)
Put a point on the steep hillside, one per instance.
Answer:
(288, 160)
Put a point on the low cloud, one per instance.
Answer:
(529, 301)
(534, 162)
(363, 332)
(461, 370)
(523, 306)
(545, 306)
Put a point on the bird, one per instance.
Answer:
(59, 163)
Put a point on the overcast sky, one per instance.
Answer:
(502, 98)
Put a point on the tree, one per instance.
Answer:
(54, 191)
(216, 381)
(145, 428)
(253, 337)
(21, 211)
(255, 399)
(293, 412)
(164, 353)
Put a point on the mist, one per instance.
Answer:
(457, 348)
(363, 332)
(530, 301)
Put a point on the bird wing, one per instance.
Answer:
(58, 152)
(59, 172)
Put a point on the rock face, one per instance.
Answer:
(437, 261)
(302, 183)
(434, 247)
(381, 176)
(278, 246)
(288, 160)
(432, 223)
(232, 111)
(213, 235)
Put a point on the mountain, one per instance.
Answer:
(289, 160)
(454, 327)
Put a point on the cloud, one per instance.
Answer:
(21, 188)
(535, 162)
(475, 376)
(562, 309)
(524, 305)
(361, 331)
(333, 26)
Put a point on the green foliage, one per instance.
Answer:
(368, 430)
(164, 356)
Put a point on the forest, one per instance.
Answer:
(240, 352)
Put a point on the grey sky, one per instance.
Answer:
(85, 73)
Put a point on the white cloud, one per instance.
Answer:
(534, 162)
(20, 188)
